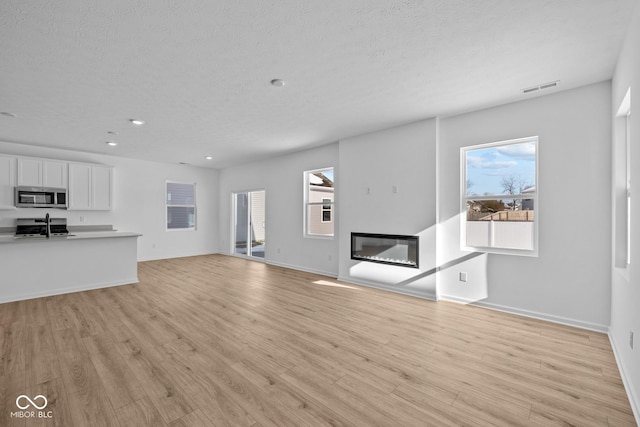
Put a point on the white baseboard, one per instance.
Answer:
(180, 256)
(355, 282)
(533, 314)
(305, 269)
(635, 407)
(70, 290)
(388, 288)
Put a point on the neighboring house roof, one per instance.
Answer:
(320, 180)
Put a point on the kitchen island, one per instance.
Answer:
(37, 267)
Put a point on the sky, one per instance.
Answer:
(314, 180)
(329, 174)
(486, 167)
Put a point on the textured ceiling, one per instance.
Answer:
(198, 72)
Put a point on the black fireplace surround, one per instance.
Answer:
(389, 249)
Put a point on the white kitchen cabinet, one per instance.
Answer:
(29, 172)
(42, 172)
(7, 181)
(90, 187)
(54, 174)
(101, 180)
(79, 187)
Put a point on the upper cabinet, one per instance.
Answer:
(30, 172)
(54, 174)
(101, 183)
(90, 187)
(42, 172)
(7, 181)
(79, 187)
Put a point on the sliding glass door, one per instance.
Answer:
(249, 221)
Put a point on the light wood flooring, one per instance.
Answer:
(221, 341)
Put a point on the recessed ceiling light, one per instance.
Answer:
(277, 82)
(8, 114)
(208, 157)
(112, 143)
(136, 122)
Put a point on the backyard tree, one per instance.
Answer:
(513, 185)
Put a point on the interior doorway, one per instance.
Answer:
(249, 223)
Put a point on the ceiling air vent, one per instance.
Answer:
(541, 87)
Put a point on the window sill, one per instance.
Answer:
(318, 236)
(623, 272)
(499, 251)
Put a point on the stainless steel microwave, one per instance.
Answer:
(41, 197)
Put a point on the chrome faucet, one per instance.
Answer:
(47, 222)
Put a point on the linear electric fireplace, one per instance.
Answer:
(390, 249)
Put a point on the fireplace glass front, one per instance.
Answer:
(385, 248)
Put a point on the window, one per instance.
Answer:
(319, 202)
(326, 210)
(622, 183)
(628, 181)
(181, 206)
(500, 197)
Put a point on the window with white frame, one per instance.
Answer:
(622, 183)
(499, 200)
(628, 155)
(319, 202)
(327, 206)
(181, 206)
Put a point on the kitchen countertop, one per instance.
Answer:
(81, 235)
(88, 259)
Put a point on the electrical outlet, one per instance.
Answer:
(631, 339)
(278, 250)
(463, 276)
(330, 257)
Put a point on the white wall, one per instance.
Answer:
(282, 180)
(501, 234)
(370, 166)
(570, 281)
(625, 295)
(138, 202)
